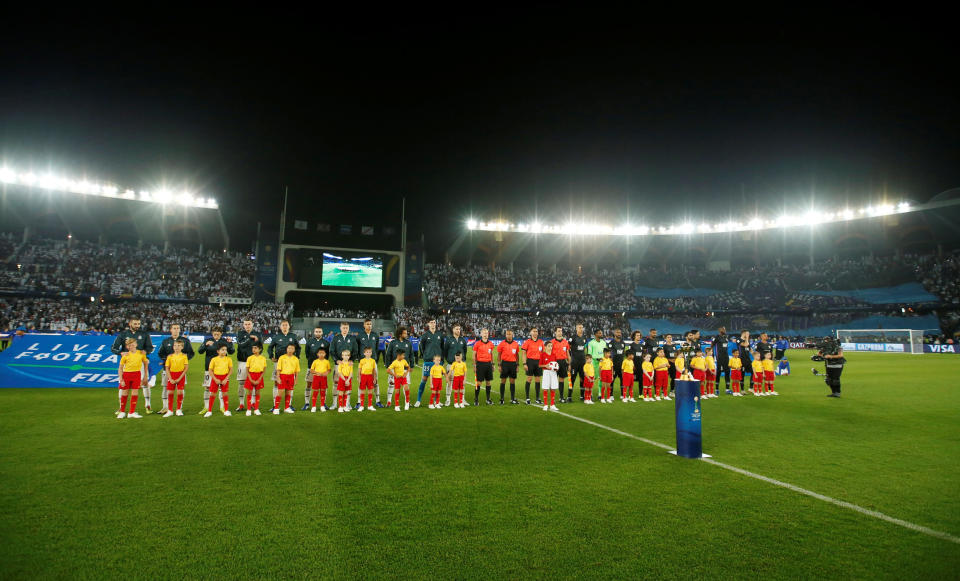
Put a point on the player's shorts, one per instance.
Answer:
(736, 375)
(484, 371)
(225, 378)
(425, 367)
(286, 381)
(366, 381)
(251, 377)
(587, 381)
(508, 370)
(533, 368)
(769, 375)
(399, 381)
(437, 382)
(458, 381)
(646, 380)
(563, 368)
(130, 380)
(606, 376)
(661, 378)
(711, 375)
(319, 382)
(679, 374)
(550, 380)
(241, 371)
(343, 385)
(626, 380)
(206, 378)
(699, 374)
(179, 383)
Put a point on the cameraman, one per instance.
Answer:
(832, 354)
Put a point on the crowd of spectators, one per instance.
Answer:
(81, 267)
(46, 314)
(339, 314)
(499, 289)
(941, 276)
(770, 287)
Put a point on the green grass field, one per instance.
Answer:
(491, 492)
(367, 277)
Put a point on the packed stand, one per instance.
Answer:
(81, 267)
(339, 314)
(42, 314)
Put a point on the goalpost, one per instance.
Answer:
(887, 340)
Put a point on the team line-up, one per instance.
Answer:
(546, 365)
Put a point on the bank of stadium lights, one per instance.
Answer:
(105, 190)
(810, 218)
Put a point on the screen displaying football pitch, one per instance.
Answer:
(352, 271)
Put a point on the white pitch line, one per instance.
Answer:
(841, 503)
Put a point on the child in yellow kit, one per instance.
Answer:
(769, 374)
(589, 376)
(458, 373)
(756, 367)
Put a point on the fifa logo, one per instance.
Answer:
(696, 400)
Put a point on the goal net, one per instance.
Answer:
(887, 340)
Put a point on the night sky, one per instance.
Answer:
(578, 116)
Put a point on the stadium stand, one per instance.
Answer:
(794, 300)
(121, 270)
(46, 314)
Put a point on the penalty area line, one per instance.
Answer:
(841, 503)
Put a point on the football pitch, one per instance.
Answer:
(494, 492)
(367, 277)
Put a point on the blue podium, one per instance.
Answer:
(687, 402)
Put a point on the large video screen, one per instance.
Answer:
(333, 269)
(352, 271)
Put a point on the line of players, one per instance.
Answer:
(546, 364)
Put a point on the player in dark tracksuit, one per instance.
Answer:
(400, 343)
(313, 344)
(143, 344)
(211, 344)
(617, 350)
(367, 339)
(247, 337)
(670, 351)
(453, 344)
(721, 356)
(578, 357)
(431, 344)
(166, 349)
(278, 347)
